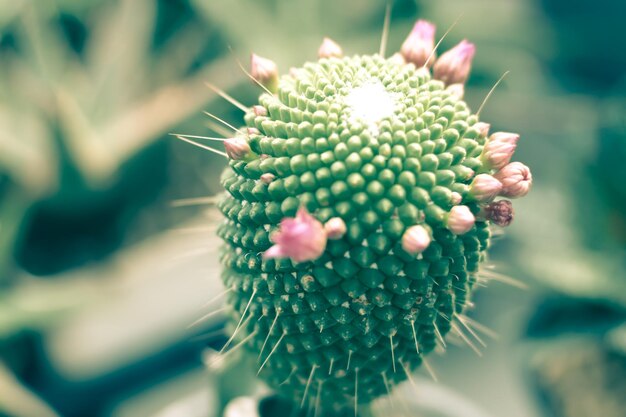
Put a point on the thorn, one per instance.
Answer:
(408, 374)
(349, 359)
(330, 368)
(441, 40)
(243, 315)
(223, 293)
(429, 369)
(221, 355)
(439, 336)
(472, 332)
(496, 276)
(491, 92)
(469, 343)
(317, 397)
(415, 337)
(227, 97)
(385, 35)
(293, 371)
(280, 339)
(248, 74)
(218, 128)
(198, 137)
(480, 327)
(308, 383)
(268, 334)
(393, 356)
(202, 146)
(356, 391)
(388, 389)
(223, 122)
(195, 201)
(206, 316)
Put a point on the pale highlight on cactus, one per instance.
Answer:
(357, 216)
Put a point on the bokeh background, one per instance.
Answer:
(103, 268)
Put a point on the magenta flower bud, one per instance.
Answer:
(264, 71)
(456, 198)
(259, 111)
(329, 48)
(420, 44)
(484, 188)
(482, 128)
(267, 178)
(516, 180)
(454, 65)
(499, 212)
(253, 131)
(335, 228)
(460, 220)
(415, 239)
(499, 149)
(236, 148)
(302, 238)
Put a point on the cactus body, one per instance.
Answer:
(380, 145)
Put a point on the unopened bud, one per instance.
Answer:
(415, 239)
(259, 111)
(516, 180)
(484, 188)
(237, 148)
(418, 48)
(460, 220)
(397, 59)
(302, 238)
(454, 65)
(457, 90)
(482, 128)
(267, 177)
(329, 48)
(335, 228)
(499, 212)
(499, 149)
(264, 71)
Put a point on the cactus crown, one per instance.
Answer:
(356, 220)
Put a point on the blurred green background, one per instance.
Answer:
(101, 274)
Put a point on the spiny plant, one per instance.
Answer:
(360, 194)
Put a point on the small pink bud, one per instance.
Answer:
(329, 48)
(236, 148)
(456, 198)
(460, 220)
(302, 238)
(267, 177)
(335, 228)
(516, 180)
(454, 65)
(499, 212)
(415, 239)
(484, 188)
(264, 71)
(420, 44)
(253, 131)
(482, 128)
(499, 149)
(259, 111)
(457, 90)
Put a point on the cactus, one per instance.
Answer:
(359, 200)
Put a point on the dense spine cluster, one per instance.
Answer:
(359, 199)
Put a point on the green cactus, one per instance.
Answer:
(391, 180)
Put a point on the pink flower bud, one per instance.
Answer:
(264, 71)
(259, 111)
(456, 198)
(499, 149)
(420, 44)
(454, 65)
(302, 238)
(267, 178)
(482, 128)
(460, 220)
(329, 48)
(415, 239)
(335, 228)
(499, 212)
(484, 188)
(457, 90)
(516, 180)
(252, 131)
(236, 148)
